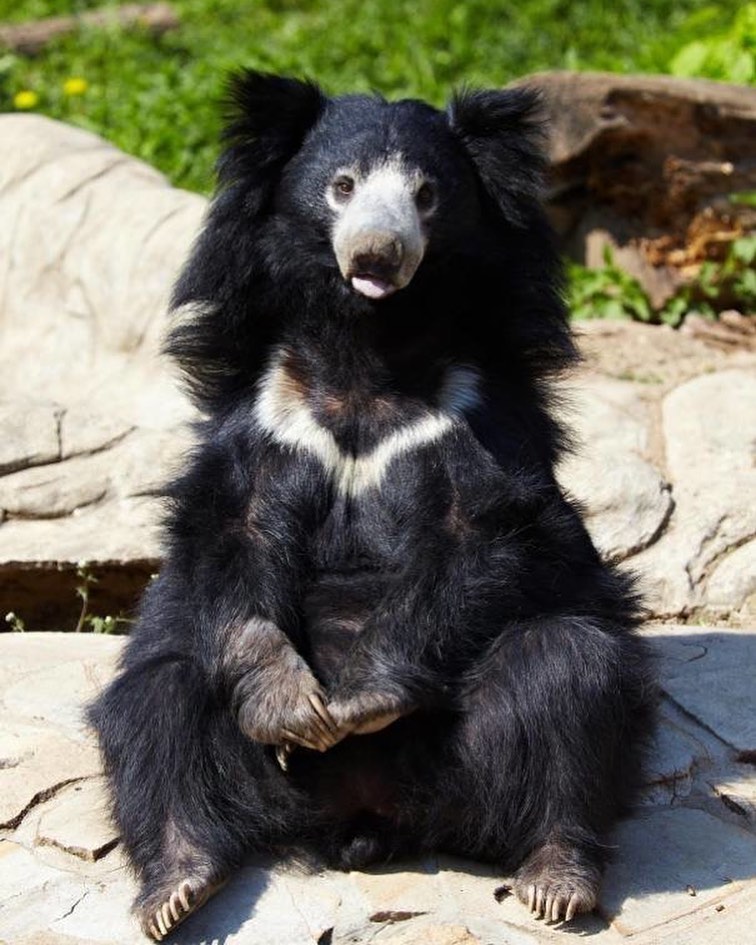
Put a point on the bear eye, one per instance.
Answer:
(425, 197)
(344, 186)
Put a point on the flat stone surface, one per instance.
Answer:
(78, 822)
(710, 673)
(33, 897)
(684, 871)
(674, 753)
(671, 863)
(34, 764)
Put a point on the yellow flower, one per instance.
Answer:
(25, 99)
(75, 86)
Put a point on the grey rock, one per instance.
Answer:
(33, 896)
(627, 502)
(671, 864)
(710, 674)
(84, 301)
(56, 489)
(732, 582)
(736, 790)
(123, 531)
(84, 430)
(44, 745)
(705, 433)
(709, 457)
(674, 753)
(78, 823)
(63, 883)
(36, 763)
(30, 434)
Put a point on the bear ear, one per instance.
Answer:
(504, 135)
(267, 119)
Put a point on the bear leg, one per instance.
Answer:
(191, 795)
(554, 720)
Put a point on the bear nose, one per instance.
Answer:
(378, 253)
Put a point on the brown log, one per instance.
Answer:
(646, 166)
(30, 37)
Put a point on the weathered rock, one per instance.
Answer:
(35, 763)
(78, 822)
(626, 500)
(710, 674)
(709, 457)
(671, 864)
(432, 935)
(56, 489)
(732, 582)
(33, 897)
(736, 790)
(674, 753)
(85, 430)
(30, 434)
(84, 299)
(124, 531)
(44, 745)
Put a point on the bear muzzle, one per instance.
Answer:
(378, 238)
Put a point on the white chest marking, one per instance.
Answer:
(284, 414)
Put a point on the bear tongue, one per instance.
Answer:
(372, 286)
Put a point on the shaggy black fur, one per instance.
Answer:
(463, 594)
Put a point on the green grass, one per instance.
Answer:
(158, 97)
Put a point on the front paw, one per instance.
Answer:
(284, 705)
(367, 713)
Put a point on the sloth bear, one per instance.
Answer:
(380, 629)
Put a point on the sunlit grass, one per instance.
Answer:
(157, 97)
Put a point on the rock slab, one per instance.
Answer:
(683, 873)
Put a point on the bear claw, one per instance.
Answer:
(180, 905)
(557, 905)
(554, 907)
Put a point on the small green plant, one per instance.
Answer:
(107, 624)
(15, 623)
(86, 579)
(609, 292)
(96, 624)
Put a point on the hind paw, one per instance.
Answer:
(161, 914)
(558, 882)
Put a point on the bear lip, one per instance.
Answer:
(372, 286)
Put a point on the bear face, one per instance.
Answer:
(386, 183)
(370, 194)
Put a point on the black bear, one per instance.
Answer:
(380, 628)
